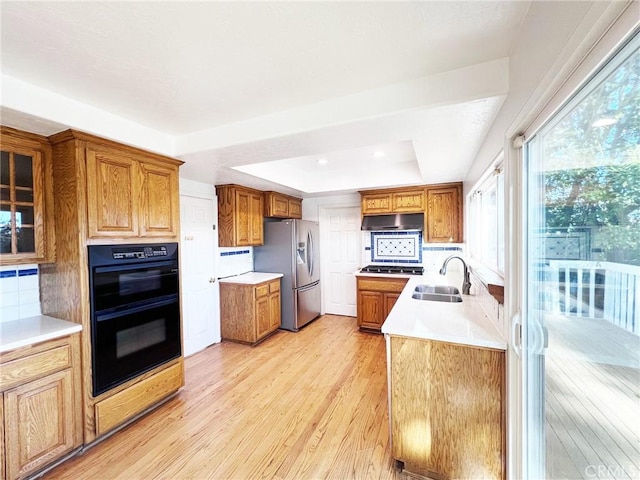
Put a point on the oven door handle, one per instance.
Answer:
(101, 317)
(137, 266)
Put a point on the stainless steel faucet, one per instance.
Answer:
(466, 283)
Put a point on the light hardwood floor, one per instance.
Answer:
(306, 405)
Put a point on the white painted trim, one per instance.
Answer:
(489, 79)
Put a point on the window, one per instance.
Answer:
(486, 218)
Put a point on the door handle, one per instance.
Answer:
(516, 334)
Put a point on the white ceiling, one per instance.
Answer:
(234, 84)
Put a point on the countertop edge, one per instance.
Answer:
(251, 278)
(423, 320)
(23, 331)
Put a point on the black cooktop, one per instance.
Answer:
(404, 269)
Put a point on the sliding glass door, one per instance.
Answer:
(582, 306)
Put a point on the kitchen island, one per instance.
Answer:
(446, 374)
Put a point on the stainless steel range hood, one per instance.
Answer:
(398, 221)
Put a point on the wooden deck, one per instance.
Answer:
(304, 405)
(592, 400)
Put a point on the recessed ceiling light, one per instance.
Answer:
(322, 161)
(378, 153)
(603, 122)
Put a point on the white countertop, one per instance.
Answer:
(465, 323)
(31, 330)
(386, 275)
(252, 278)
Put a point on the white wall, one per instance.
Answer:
(549, 41)
(311, 206)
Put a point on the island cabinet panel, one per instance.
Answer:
(240, 216)
(26, 199)
(249, 313)
(376, 297)
(278, 205)
(40, 405)
(447, 409)
(444, 213)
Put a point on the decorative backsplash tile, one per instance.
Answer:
(396, 247)
(234, 261)
(19, 292)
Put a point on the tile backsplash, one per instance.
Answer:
(234, 261)
(407, 247)
(396, 247)
(19, 292)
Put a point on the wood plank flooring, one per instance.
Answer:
(305, 405)
(592, 400)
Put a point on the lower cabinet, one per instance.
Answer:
(376, 298)
(447, 409)
(249, 313)
(41, 406)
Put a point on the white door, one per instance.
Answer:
(340, 229)
(200, 292)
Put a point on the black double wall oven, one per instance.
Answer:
(135, 310)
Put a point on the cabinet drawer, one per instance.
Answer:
(126, 404)
(392, 285)
(29, 368)
(262, 290)
(274, 286)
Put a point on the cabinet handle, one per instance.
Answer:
(212, 280)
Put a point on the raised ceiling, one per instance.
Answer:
(237, 84)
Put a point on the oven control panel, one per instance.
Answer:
(142, 251)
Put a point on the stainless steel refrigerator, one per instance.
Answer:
(291, 247)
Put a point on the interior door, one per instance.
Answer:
(340, 258)
(200, 290)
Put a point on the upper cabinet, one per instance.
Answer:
(441, 205)
(444, 213)
(399, 200)
(26, 199)
(130, 194)
(278, 205)
(239, 216)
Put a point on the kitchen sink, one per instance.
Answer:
(437, 289)
(437, 297)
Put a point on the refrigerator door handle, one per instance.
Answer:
(310, 253)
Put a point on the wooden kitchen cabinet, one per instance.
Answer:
(396, 200)
(249, 313)
(278, 205)
(26, 199)
(444, 213)
(376, 298)
(105, 193)
(130, 197)
(41, 405)
(447, 408)
(240, 216)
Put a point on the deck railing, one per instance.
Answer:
(592, 289)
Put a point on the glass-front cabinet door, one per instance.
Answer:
(22, 197)
(582, 300)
